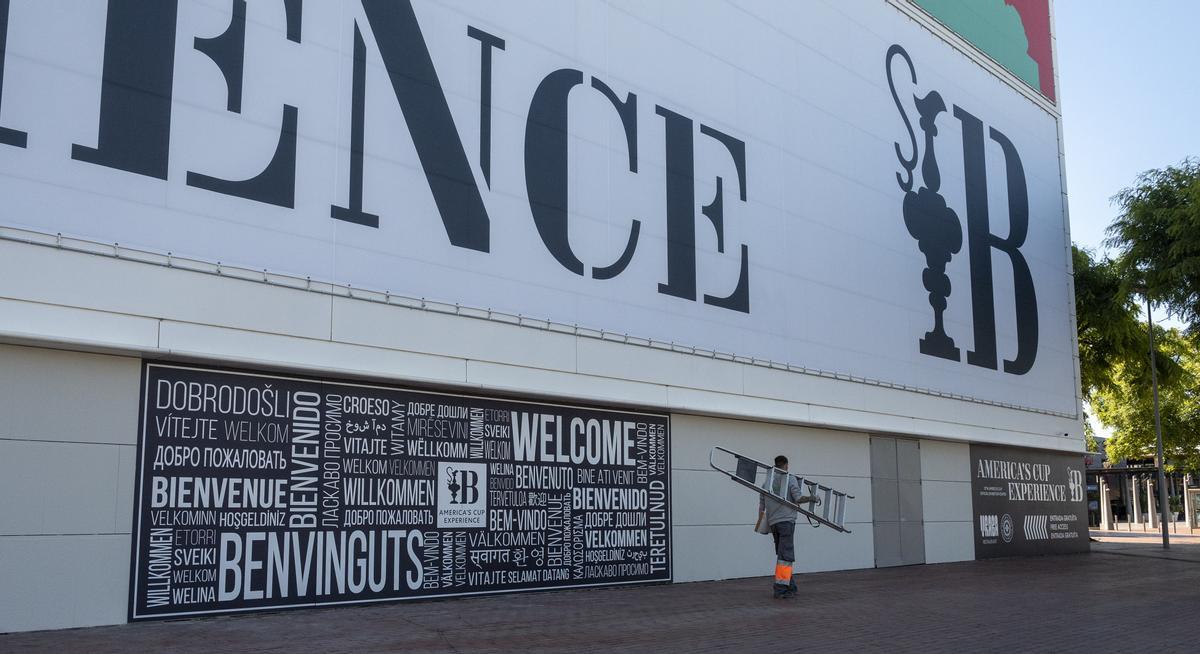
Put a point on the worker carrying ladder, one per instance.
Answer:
(826, 506)
(783, 496)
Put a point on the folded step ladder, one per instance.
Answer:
(828, 508)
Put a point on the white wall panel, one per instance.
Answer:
(248, 349)
(379, 325)
(56, 582)
(811, 451)
(946, 494)
(568, 386)
(127, 287)
(867, 407)
(54, 395)
(706, 497)
(27, 319)
(59, 488)
(127, 472)
(752, 408)
(608, 359)
(946, 501)
(66, 486)
(947, 542)
(945, 461)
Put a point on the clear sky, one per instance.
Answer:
(1129, 84)
(1129, 81)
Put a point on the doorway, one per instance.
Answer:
(899, 520)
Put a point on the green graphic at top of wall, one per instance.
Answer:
(1016, 33)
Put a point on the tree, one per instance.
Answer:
(1114, 366)
(1089, 437)
(1106, 319)
(1126, 405)
(1158, 237)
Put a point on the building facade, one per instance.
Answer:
(311, 303)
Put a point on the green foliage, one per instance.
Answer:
(1158, 237)
(1126, 405)
(1106, 319)
(1089, 438)
(1110, 329)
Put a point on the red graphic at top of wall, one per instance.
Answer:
(1035, 16)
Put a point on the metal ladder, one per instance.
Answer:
(827, 506)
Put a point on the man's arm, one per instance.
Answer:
(796, 495)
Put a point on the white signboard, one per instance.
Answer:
(825, 184)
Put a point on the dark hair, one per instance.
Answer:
(780, 461)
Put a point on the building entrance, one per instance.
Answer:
(896, 501)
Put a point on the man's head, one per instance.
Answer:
(781, 462)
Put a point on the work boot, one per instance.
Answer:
(782, 591)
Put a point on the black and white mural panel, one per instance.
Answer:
(263, 492)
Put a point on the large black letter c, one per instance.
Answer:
(546, 166)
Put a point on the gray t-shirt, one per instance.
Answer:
(775, 510)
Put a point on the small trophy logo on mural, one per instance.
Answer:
(463, 486)
(1075, 484)
(461, 500)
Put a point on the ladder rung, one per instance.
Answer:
(747, 469)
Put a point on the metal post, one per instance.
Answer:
(1106, 513)
(1163, 505)
(1189, 508)
(1152, 516)
(1136, 494)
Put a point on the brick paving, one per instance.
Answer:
(1105, 601)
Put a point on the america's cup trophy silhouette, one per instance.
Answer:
(934, 225)
(937, 230)
(452, 484)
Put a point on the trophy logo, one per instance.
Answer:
(1075, 483)
(934, 225)
(462, 495)
(452, 485)
(940, 234)
(466, 481)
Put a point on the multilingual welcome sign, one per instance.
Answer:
(266, 492)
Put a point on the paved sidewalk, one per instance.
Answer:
(1146, 537)
(1106, 601)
